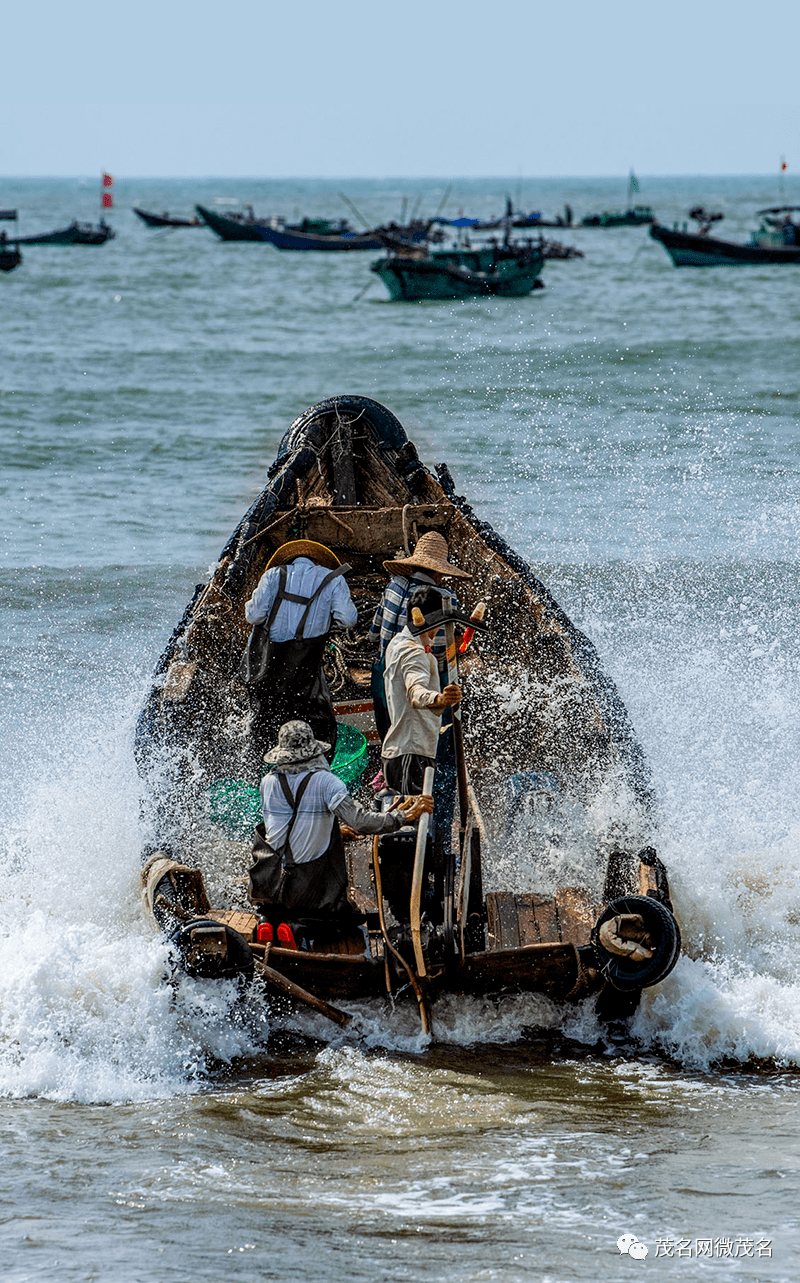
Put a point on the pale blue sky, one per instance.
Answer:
(347, 87)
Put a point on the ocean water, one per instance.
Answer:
(632, 430)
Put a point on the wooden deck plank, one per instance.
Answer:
(577, 914)
(243, 922)
(528, 926)
(502, 920)
(546, 918)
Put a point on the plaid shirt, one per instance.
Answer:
(390, 616)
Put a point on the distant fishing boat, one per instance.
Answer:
(510, 270)
(298, 238)
(310, 233)
(75, 234)
(535, 218)
(9, 257)
(632, 216)
(165, 220)
(637, 216)
(509, 219)
(776, 240)
(234, 226)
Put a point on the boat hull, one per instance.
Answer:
(9, 259)
(75, 234)
(639, 216)
(295, 238)
(289, 239)
(164, 220)
(347, 476)
(230, 229)
(460, 274)
(691, 249)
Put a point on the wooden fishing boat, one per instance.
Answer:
(9, 258)
(165, 220)
(75, 234)
(302, 238)
(233, 226)
(636, 216)
(555, 819)
(509, 270)
(698, 249)
(322, 234)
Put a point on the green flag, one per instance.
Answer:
(633, 182)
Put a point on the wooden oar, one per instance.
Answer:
(292, 990)
(416, 881)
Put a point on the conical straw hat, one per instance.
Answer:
(316, 552)
(429, 554)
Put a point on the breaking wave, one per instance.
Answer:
(708, 665)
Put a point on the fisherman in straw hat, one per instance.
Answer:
(413, 693)
(300, 872)
(427, 566)
(300, 595)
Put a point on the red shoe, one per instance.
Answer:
(286, 936)
(264, 932)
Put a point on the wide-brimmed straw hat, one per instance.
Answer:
(429, 554)
(428, 609)
(316, 552)
(296, 743)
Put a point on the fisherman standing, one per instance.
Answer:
(413, 695)
(300, 872)
(301, 593)
(427, 566)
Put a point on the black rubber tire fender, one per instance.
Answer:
(625, 974)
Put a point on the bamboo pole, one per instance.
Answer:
(416, 881)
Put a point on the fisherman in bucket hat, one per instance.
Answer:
(301, 593)
(299, 877)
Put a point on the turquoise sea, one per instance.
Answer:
(632, 430)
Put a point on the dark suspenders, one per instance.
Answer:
(287, 859)
(283, 595)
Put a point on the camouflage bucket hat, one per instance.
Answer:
(296, 743)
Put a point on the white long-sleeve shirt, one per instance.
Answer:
(303, 576)
(325, 797)
(411, 681)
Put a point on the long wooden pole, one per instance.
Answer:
(458, 738)
(286, 986)
(416, 880)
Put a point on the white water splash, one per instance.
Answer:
(85, 1009)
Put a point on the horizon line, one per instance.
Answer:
(385, 178)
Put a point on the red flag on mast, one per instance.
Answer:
(106, 199)
(108, 181)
